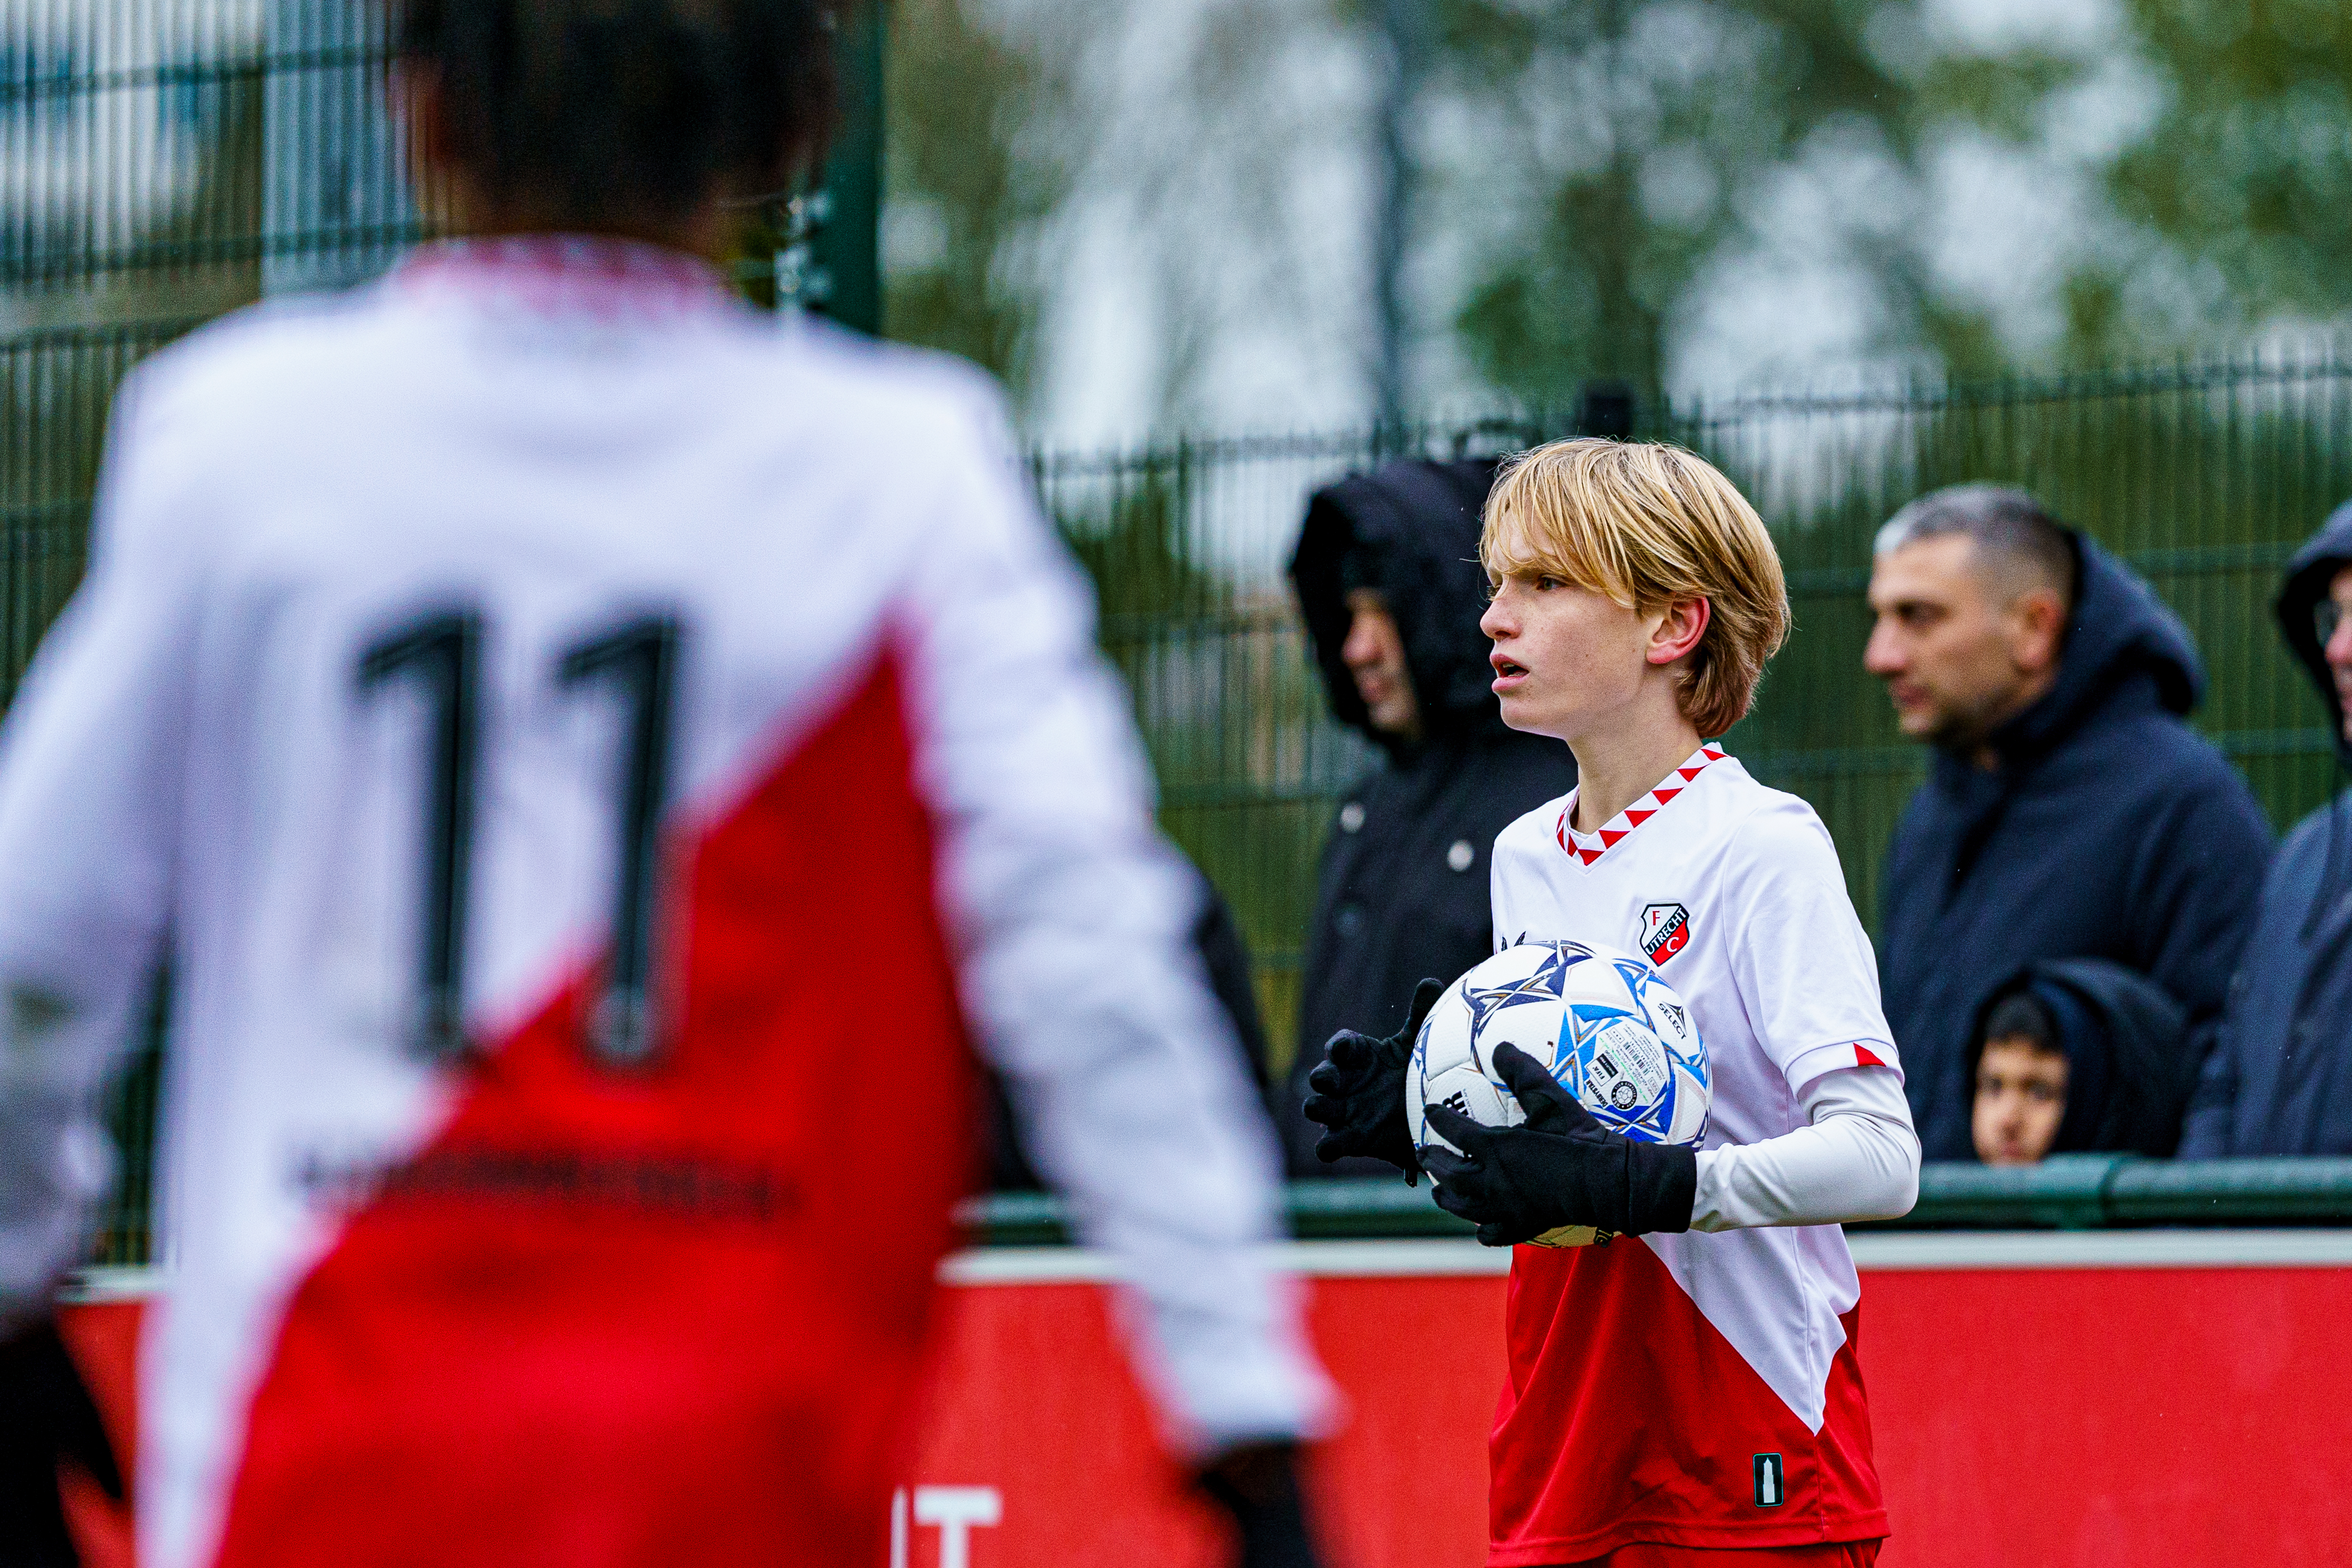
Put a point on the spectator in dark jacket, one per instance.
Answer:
(2280, 1080)
(1388, 583)
(2071, 812)
(2077, 1055)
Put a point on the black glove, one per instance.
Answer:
(1358, 1092)
(1258, 1485)
(45, 1414)
(1561, 1166)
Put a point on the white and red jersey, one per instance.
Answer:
(594, 755)
(1698, 1389)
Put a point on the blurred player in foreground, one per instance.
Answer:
(593, 754)
(1695, 1392)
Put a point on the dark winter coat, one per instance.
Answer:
(2108, 829)
(1403, 892)
(2279, 1079)
(2126, 1044)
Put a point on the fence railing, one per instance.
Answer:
(2070, 1192)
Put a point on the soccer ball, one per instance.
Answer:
(1611, 1030)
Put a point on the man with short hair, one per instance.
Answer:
(2070, 810)
(2280, 1080)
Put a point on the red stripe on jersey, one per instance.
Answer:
(1629, 1417)
(1631, 817)
(1865, 1057)
(692, 1329)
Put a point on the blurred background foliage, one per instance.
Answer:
(974, 162)
(2246, 170)
(1618, 140)
(1598, 185)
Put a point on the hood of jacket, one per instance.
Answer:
(1418, 522)
(2127, 1045)
(2120, 633)
(2308, 573)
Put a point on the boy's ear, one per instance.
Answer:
(1679, 630)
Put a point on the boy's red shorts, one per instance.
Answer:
(1641, 1554)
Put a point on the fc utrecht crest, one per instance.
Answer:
(1665, 930)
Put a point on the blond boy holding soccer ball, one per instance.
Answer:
(1692, 1388)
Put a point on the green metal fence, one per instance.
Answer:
(2203, 476)
(2069, 1192)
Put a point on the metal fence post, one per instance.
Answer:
(847, 242)
(335, 205)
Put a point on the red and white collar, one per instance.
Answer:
(1590, 847)
(568, 273)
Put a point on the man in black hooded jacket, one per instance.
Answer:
(2071, 812)
(1389, 584)
(2280, 1080)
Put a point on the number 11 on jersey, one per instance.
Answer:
(638, 661)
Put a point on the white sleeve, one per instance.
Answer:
(1800, 959)
(1856, 1158)
(88, 764)
(1072, 918)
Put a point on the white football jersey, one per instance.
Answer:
(593, 753)
(1734, 892)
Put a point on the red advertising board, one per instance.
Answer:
(2106, 1398)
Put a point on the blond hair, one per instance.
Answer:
(1647, 525)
